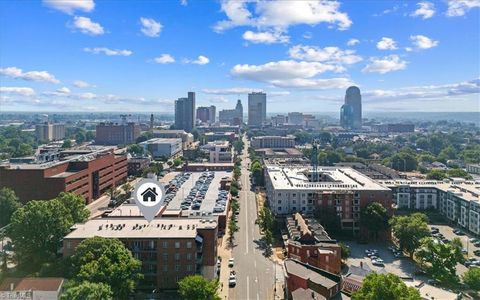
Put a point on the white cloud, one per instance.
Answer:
(386, 43)
(22, 91)
(81, 84)
(217, 99)
(281, 14)
(307, 35)
(384, 65)
(64, 90)
(15, 72)
(87, 96)
(330, 55)
(278, 94)
(108, 52)
(387, 11)
(425, 92)
(353, 42)
(183, 2)
(85, 25)
(70, 6)
(425, 10)
(201, 60)
(423, 42)
(291, 74)
(150, 27)
(457, 8)
(164, 59)
(265, 37)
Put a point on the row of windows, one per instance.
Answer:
(177, 256)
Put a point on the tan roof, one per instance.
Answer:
(297, 269)
(32, 283)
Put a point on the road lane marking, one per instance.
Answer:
(248, 288)
(246, 225)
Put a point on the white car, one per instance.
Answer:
(377, 262)
(231, 262)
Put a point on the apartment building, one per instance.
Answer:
(273, 142)
(116, 134)
(187, 138)
(342, 191)
(219, 151)
(47, 132)
(169, 248)
(457, 200)
(87, 171)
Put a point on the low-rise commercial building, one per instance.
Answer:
(169, 248)
(162, 148)
(309, 243)
(340, 191)
(32, 288)
(393, 128)
(116, 134)
(136, 165)
(473, 168)
(87, 171)
(273, 142)
(219, 151)
(216, 136)
(187, 138)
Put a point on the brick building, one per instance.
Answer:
(309, 243)
(116, 134)
(169, 248)
(341, 191)
(88, 172)
(307, 282)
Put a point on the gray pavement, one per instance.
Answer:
(255, 272)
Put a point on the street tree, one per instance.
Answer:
(75, 205)
(409, 230)
(36, 231)
(345, 251)
(135, 150)
(199, 288)
(439, 259)
(87, 291)
(375, 218)
(472, 278)
(9, 203)
(107, 260)
(385, 286)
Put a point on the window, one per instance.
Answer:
(165, 256)
(165, 268)
(165, 244)
(279, 208)
(177, 245)
(177, 256)
(279, 201)
(189, 256)
(189, 268)
(69, 245)
(189, 245)
(177, 268)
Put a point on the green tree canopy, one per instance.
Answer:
(199, 288)
(436, 174)
(374, 217)
(67, 143)
(107, 261)
(472, 278)
(383, 287)
(9, 203)
(409, 230)
(345, 251)
(440, 259)
(87, 291)
(135, 150)
(37, 228)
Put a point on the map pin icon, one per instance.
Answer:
(149, 196)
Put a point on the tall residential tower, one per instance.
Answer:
(257, 108)
(185, 112)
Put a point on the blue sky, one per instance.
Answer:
(62, 55)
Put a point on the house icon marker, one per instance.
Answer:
(149, 194)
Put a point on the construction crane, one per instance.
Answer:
(314, 160)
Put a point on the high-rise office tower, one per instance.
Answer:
(151, 122)
(257, 108)
(351, 111)
(206, 114)
(185, 112)
(232, 116)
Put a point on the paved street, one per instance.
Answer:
(255, 272)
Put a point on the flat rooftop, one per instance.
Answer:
(140, 228)
(298, 269)
(163, 141)
(339, 178)
(468, 190)
(211, 195)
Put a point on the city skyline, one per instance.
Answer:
(126, 57)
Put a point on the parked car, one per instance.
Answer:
(231, 262)
(377, 262)
(477, 252)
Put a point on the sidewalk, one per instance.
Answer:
(225, 253)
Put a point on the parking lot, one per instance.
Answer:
(448, 233)
(402, 267)
(209, 201)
